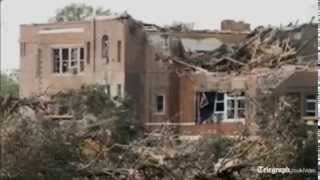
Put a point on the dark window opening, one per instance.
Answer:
(119, 90)
(81, 53)
(88, 52)
(65, 60)
(159, 103)
(119, 44)
(22, 49)
(108, 90)
(310, 105)
(105, 47)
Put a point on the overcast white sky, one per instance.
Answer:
(206, 14)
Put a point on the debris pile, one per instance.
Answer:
(263, 47)
(36, 147)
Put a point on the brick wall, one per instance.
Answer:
(231, 25)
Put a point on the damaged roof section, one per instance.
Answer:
(264, 47)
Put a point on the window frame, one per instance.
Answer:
(226, 109)
(105, 47)
(68, 60)
(216, 102)
(235, 107)
(307, 100)
(156, 110)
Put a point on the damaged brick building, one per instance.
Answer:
(185, 80)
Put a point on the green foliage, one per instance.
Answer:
(9, 86)
(181, 26)
(117, 114)
(38, 149)
(127, 126)
(78, 12)
(60, 150)
(280, 121)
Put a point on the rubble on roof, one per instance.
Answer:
(263, 47)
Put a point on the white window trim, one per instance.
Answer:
(156, 112)
(306, 110)
(57, 46)
(235, 108)
(69, 47)
(61, 30)
(216, 101)
(225, 112)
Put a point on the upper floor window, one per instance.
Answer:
(119, 49)
(39, 57)
(105, 43)
(68, 60)
(88, 52)
(22, 49)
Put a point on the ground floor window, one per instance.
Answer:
(68, 60)
(219, 106)
(160, 103)
(119, 90)
(310, 105)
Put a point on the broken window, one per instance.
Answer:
(66, 59)
(310, 105)
(105, 47)
(218, 106)
(119, 48)
(160, 104)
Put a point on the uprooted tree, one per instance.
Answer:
(99, 141)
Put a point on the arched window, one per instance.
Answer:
(105, 47)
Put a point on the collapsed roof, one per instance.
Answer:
(263, 47)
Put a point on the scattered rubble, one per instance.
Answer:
(264, 47)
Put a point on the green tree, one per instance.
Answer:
(78, 12)
(181, 26)
(9, 85)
